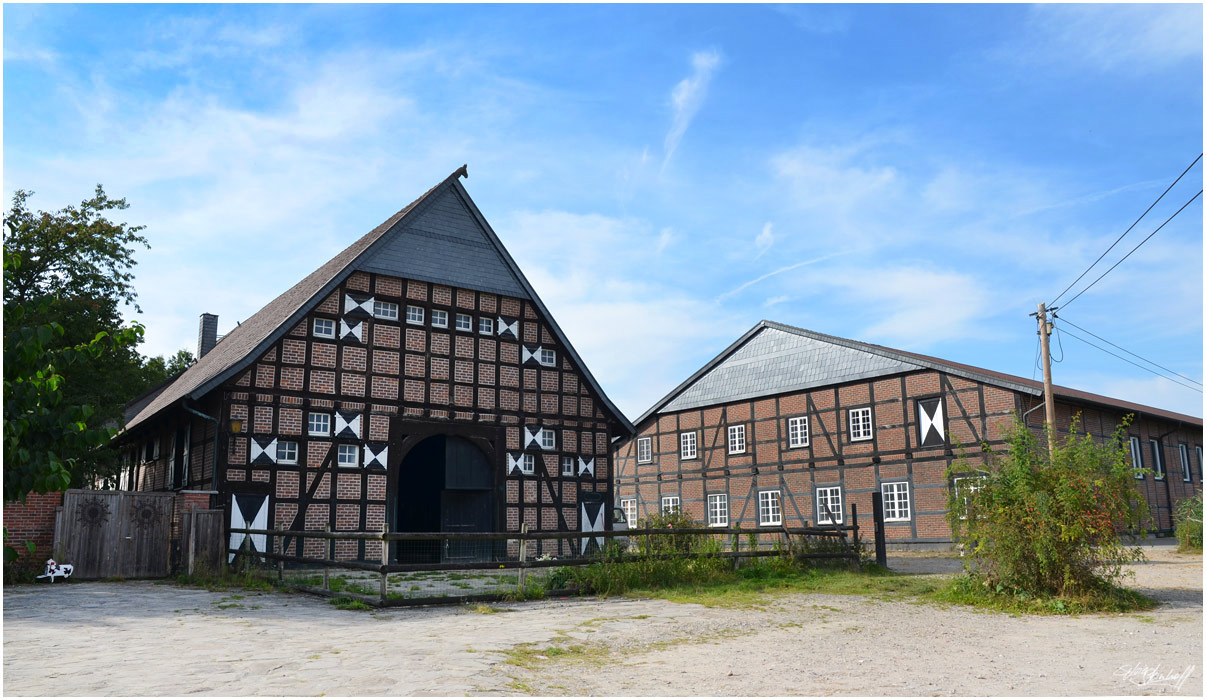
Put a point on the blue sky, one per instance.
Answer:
(666, 176)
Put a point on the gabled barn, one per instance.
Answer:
(416, 381)
(786, 420)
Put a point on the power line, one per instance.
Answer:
(1145, 240)
(1120, 357)
(1107, 250)
(1085, 330)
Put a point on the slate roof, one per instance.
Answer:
(774, 358)
(458, 249)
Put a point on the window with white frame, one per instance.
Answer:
(528, 465)
(387, 310)
(349, 456)
(320, 424)
(670, 504)
(797, 432)
(630, 511)
(439, 319)
(644, 450)
(1186, 473)
(286, 452)
(548, 358)
(829, 497)
(414, 314)
(485, 326)
(686, 445)
(736, 439)
(860, 423)
(1157, 458)
(1136, 457)
(964, 487)
(324, 328)
(567, 466)
(896, 500)
(718, 510)
(464, 322)
(548, 439)
(770, 512)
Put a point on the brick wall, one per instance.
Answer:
(32, 521)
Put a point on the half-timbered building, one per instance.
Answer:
(787, 426)
(415, 382)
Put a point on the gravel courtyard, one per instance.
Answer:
(143, 638)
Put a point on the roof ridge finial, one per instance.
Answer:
(462, 171)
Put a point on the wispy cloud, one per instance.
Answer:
(1131, 38)
(816, 19)
(765, 240)
(786, 268)
(687, 97)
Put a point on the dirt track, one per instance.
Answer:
(147, 639)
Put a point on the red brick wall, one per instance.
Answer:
(32, 521)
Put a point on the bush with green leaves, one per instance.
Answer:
(1188, 523)
(1048, 523)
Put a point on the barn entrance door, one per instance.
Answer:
(106, 534)
(446, 484)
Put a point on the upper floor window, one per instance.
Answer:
(286, 452)
(548, 439)
(324, 328)
(1136, 457)
(439, 319)
(464, 322)
(686, 445)
(349, 456)
(414, 314)
(860, 423)
(797, 432)
(548, 358)
(736, 439)
(644, 450)
(320, 424)
(567, 466)
(528, 465)
(1157, 458)
(485, 326)
(387, 310)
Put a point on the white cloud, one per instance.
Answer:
(687, 97)
(764, 240)
(1131, 38)
(777, 271)
(665, 239)
(816, 19)
(1149, 391)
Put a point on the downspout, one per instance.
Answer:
(214, 476)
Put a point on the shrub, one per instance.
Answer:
(1048, 524)
(1188, 519)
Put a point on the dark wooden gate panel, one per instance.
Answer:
(201, 541)
(107, 534)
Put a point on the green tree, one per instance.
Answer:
(1048, 523)
(159, 369)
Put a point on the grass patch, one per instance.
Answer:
(226, 580)
(485, 609)
(1109, 598)
(345, 603)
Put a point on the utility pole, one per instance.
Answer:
(1044, 331)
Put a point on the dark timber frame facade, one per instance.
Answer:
(424, 329)
(922, 411)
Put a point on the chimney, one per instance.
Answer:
(207, 338)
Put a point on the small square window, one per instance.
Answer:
(387, 310)
(896, 501)
(528, 466)
(860, 423)
(736, 439)
(630, 511)
(718, 510)
(831, 497)
(286, 452)
(769, 510)
(670, 504)
(485, 326)
(797, 432)
(644, 450)
(686, 445)
(349, 456)
(567, 466)
(320, 424)
(414, 314)
(548, 358)
(548, 439)
(324, 328)
(439, 319)
(464, 322)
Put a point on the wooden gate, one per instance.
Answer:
(201, 541)
(115, 534)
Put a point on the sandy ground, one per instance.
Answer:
(142, 638)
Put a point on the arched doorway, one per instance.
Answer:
(445, 484)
